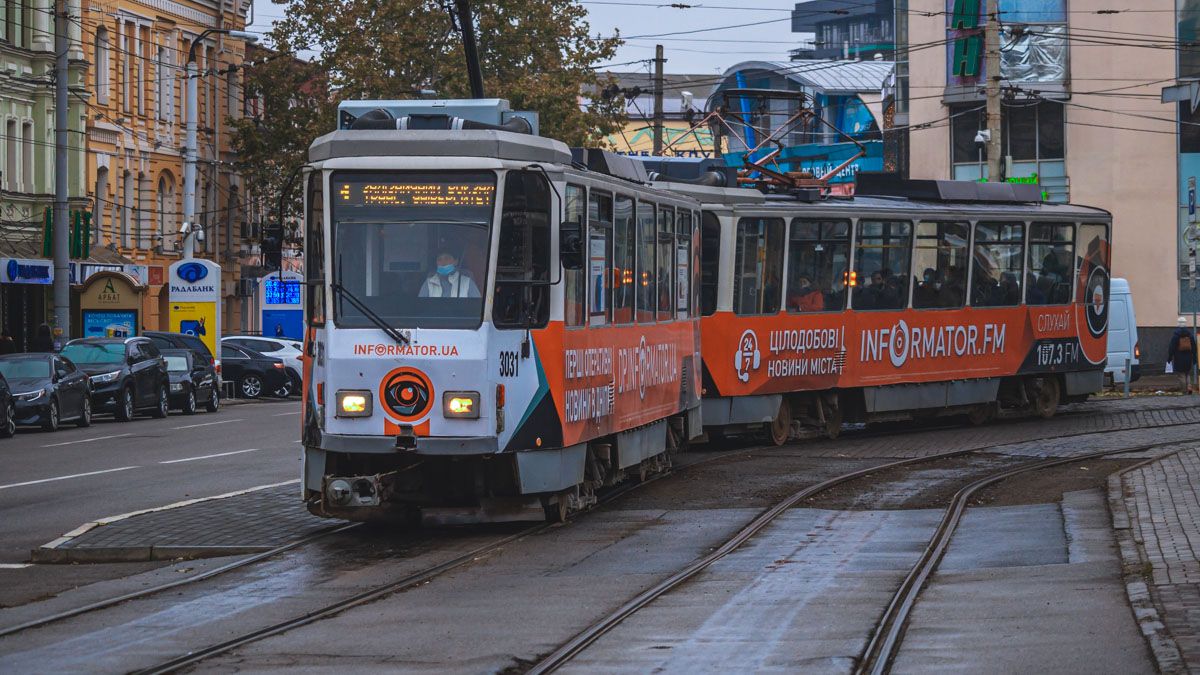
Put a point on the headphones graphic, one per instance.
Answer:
(746, 358)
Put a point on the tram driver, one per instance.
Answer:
(448, 280)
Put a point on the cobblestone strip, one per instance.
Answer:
(1156, 518)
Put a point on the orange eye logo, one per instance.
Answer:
(407, 394)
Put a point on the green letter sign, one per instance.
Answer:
(965, 16)
(967, 52)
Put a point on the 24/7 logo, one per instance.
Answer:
(746, 358)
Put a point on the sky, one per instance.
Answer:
(707, 52)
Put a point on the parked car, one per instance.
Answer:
(164, 340)
(254, 373)
(46, 390)
(192, 381)
(1122, 334)
(8, 421)
(282, 349)
(127, 375)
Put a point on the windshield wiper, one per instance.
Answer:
(399, 337)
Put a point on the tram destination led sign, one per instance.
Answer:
(441, 194)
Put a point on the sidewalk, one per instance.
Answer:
(1156, 514)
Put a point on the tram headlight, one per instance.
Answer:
(353, 403)
(461, 404)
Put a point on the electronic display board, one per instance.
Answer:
(280, 292)
(450, 194)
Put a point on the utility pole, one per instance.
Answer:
(658, 99)
(191, 76)
(62, 236)
(995, 144)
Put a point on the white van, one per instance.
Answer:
(1122, 333)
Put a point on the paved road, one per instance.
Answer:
(54, 482)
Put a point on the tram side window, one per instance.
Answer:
(624, 245)
(940, 256)
(574, 281)
(881, 261)
(521, 298)
(683, 261)
(647, 299)
(998, 264)
(314, 246)
(710, 262)
(758, 266)
(600, 258)
(818, 262)
(1093, 254)
(666, 268)
(1051, 264)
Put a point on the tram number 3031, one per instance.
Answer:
(508, 364)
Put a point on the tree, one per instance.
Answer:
(293, 108)
(538, 54)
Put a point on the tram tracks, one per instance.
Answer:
(424, 575)
(886, 638)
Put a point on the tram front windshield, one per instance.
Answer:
(411, 247)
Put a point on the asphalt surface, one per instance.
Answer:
(55, 482)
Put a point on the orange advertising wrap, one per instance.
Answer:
(619, 377)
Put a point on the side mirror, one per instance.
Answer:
(570, 245)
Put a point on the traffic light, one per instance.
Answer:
(272, 246)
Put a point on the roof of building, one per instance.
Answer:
(829, 77)
(642, 106)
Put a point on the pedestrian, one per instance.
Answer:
(7, 344)
(1181, 355)
(42, 341)
(278, 330)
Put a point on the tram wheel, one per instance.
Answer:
(556, 511)
(1046, 397)
(781, 429)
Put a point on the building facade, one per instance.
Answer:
(846, 30)
(1081, 117)
(27, 113)
(683, 105)
(138, 51)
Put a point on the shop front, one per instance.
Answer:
(25, 285)
(110, 305)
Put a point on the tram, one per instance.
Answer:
(911, 299)
(494, 324)
(498, 324)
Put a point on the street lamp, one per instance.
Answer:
(189, 151)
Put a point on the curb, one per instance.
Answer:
(1133, 562)
(54, 552)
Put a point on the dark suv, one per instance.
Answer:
(127, 374)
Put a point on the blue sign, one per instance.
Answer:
(278, 291)
(109, 323)
(819, 159)
(18, 271)
(288, 323)
(192, 272)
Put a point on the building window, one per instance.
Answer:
(12, 180)
(99, 222)
(27, 171)
(125, 41)
(166, 207)
(102, 65)
(1033, 135)
(123, 207)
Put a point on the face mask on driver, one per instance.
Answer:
(446, 270)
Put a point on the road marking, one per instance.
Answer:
(187, 502)
(296, 412)
(86, 440)
(209, 424)
(219, 454)
(74, 475)
(14, 566)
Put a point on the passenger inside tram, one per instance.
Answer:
(805, 297)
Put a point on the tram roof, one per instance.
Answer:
(441, 143)
(933, 208)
